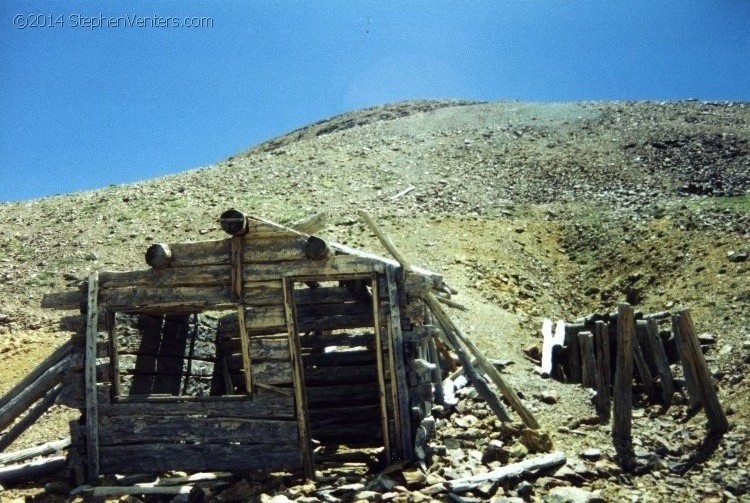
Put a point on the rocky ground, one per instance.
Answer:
(529, 211)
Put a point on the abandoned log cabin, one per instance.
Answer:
(244, 353)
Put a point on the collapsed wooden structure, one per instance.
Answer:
(601, 352)
(243, 353)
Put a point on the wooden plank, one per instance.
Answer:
(340, 358)
(398, 378)
(573, 354)
(32, 452)
(642, 364)
(660, 358)
(623, 395)
(601, 339)
(512, 471)
(164, 365)
(112, 352)
(205, 275)
(245, 345)
(273, 372)
(236, 276)
(717, 421)
(380, 366)
(262, 406)
(588, 359)
(162, 457)
(300, 396)
(688, 371)
(343, 375)
(32, 470)
(92, 408)
(547, 343)
(124, 429)
(197, 298)
(261, 348)
(337, 394)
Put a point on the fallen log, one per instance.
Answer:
(32, 470)
(32, 452)
(509, 471)
(35, 374)
(311, 225)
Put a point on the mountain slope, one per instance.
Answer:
(529, 210)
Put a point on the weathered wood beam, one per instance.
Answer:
(32, 452)
(514, 470)
(312, 224)
(92, 407)
(717, 420)
(688, 371)
(32, 470)
(601, 340)
(656, 346)
(623, 394)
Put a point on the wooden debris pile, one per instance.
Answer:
(261, 351)
(609, 353)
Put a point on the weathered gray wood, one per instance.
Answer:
(437, 377)
(688, 371)
(588, 359)
(514, 471)
(273, 372)
(660, 359)
(161, 457)
(114, 491)
(642, 364)
(573, 354)
(26, 397)
(623, 394)
(311, 225)
(125, 429)
(32, 452)
(394, 331)
(261, 406)
(30, 417)
(164, 365)
(300, 395)
(246, 350)
(717, 420)
(92, 407)
(112, 352)
(382, 395)
(547, 343)
(32, 470)
(601, 339)
(53, 359)
(333, 395)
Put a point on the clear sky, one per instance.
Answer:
(94, 93)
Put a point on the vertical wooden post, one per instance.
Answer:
(114, 358)
(662, 363)
(717, 421)
(642, 366)
(623, 393)
(437, 378)
(574, 354)
(380, 366)
(247, 366)
(588, 360)
(394, 335)
(238, 249)
(687, 370)
(92, 406)
(601, 339)
(298, 372)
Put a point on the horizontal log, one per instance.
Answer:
(261, 406)
(272, 372)
(310, 225)
(361, 374)
(513, 470)
(32, 452)
(161, 457)
(351, 394)
(124, 429)
(339, 358)
(32, 470)
(261, 348)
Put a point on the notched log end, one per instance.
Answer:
(233, 222)
(317, 248)
(159, 255)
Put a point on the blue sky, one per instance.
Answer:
(85, 106)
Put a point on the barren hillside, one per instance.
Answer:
(529, 211)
